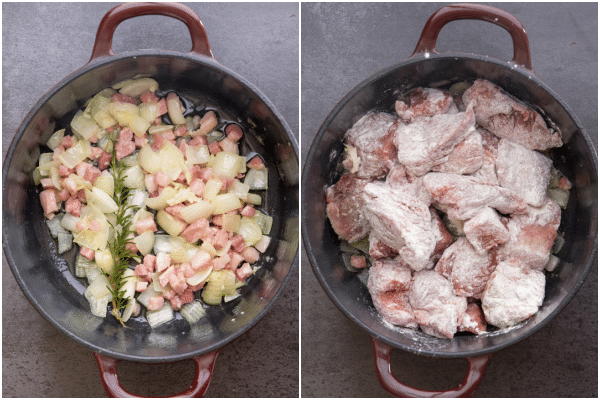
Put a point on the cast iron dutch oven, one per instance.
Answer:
(46, 278)
(426, 67)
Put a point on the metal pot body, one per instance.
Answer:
(47, 279)
(576, 159)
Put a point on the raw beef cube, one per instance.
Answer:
(344, 208)
(524, 171)
(378, 249)
(509, 119)
(429, 141)
(399, 179)
(487, 172)
(374, 146)
(401, 222)
(473, 320)
(465, 269)
(486, 230)
(388, 284)
(465, 158)
(436, 308)
(443, 238)
(425, 102)
(532, 235)
(514, 293)
(464, 196)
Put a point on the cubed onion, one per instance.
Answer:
(173, 226)
(174, 109)
(226, 164)
(144, 242)
(226, 202)
(55, 140)
(195, 211)
(159, 317)
(192, 312)
(250, 231)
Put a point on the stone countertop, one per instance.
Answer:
(342, 45)
(45, 42)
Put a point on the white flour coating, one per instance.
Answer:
(514, 293)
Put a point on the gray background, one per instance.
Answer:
(343, 44)
(45, 42)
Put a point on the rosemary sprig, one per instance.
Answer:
(118, 245)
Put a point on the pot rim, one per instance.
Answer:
(306, 240)
(96, 63)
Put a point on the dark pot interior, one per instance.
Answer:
(47, 279)
(577, 159)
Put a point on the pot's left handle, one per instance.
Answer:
(383, 352)
(204, 370)
(106, 29)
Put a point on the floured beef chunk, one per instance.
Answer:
(510, 119)
(344, 208)
(514, 293)
(400, 180)
(462, 197)
(378, 249)
(374, 146)
(388, 284)
(524, 171)
(425, 102)
(465, 269)
(436, 308)
(465, 158)
(486, 230)
(532, 235)
(429, 141)
(443, 238)
(487, 172)
(401, 222)
(473, 320)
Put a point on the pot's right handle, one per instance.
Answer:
(204, 369)
(106, 29)
(453, 12)
(383, 352)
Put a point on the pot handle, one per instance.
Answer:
(453, 12)
(204, 370)
(477, 367)
(106, 29)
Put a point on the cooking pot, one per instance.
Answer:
(577, 159)
(47, 280)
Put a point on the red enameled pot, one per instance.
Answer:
(426, 67)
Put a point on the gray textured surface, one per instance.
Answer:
(45, 42)
(343, 44)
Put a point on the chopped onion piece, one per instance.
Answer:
(162, 244)
(69, 222)
(81, 266)
(104, 260)
(195, 211)
(139, 125)
(231, 222)
(145, 296)
(230, 297)
(192, 312)
(250, 231)
(129, 286)
(226, 164)
(254, 199)
(212, 189)
(264, 221)
(174, 109)
(552, 263)
(129, 309)
(54, 225)
(197, 154)
(208, 122)
(105, 183)
(154, 129)
(144, 242)
(159, 317)
(160, 202)
(559, 196)
(226, 202)
(102, 200)
(199, 276)
(240, 189)
(98, 306)
(55, 140)
(134, 178)
(173, 226)
(137, 87)
(98, 288)
(257, 179)
(76, 154)
(84, 126)
(262, 244)
(65, 242)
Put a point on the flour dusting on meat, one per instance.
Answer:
(451, 209)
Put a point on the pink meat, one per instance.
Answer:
(508, 118)
(425, 102)
(201, 260)
(156, 303)
(163, 261)
(371, 138)
(196, 230)
(465, 158)
(486, 230)
(473, 320)
(73, 207)
(243, 272)
(49, 202)
(344, 208)
(144, 225)
(122, 98)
